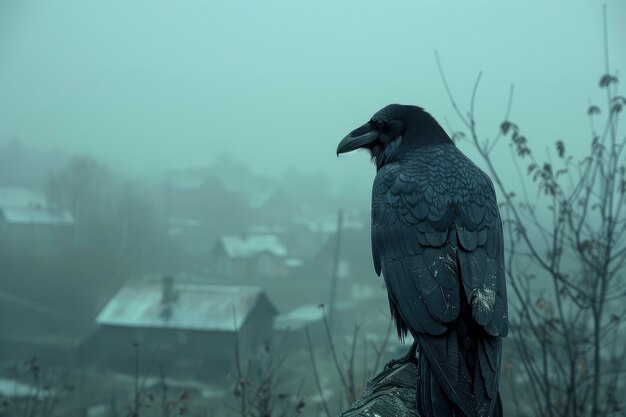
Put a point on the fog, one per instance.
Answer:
(157, 85)
(185, 152)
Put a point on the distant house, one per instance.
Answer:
(202, 196)
(250, 256)
(27, 223)
(190, 327)
(271, 207)
(308, 234)
(199, 209)
(290, 328)
(355, 255)
(356, 277)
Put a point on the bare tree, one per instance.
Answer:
(569, 336)
(114, 216)
(81, 186)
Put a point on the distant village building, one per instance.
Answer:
(308, 234)
(251, 255)
(28, 224)
(271, 207)
(199, 209)
(192, 327)
(355, 256)
(290, 328)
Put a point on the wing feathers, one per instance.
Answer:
(410, 306)
(437, 237)
(468, 239)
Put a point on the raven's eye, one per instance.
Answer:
(380, 124)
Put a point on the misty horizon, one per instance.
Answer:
(92, 79)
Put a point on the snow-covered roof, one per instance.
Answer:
(27, 215)
(25, 206)
(196, 306)
(252, 245)
(262, 229)
(299, 317)
(21, 197)
(293, 262)
(328, 224)
(11, 388)
(179, 225)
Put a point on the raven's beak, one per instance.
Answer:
(358, 138)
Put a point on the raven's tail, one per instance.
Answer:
(498, 411)
(449, 385)
(433, 400)
(460, 369)
(445, 387)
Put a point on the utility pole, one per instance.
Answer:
(335, 270)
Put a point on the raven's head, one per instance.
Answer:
(392, 131)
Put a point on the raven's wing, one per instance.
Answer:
(435, 219)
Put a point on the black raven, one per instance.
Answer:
(437, 239)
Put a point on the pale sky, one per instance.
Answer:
(152, 84)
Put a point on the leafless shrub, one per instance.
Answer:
(569, 337)
(257, 386)
(351, 384)
(39, 395)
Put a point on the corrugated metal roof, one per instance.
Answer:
(196, 307)
(252, 245)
